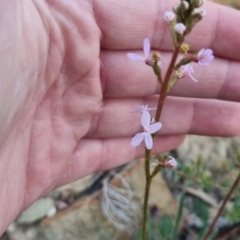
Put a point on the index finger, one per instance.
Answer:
(124, 24)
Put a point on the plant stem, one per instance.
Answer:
(210, 229)
(178, 218)
(146, 195)
(163, 94)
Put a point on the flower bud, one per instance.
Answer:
(169, 16)
(171, 162)
(196, 3)
(156, 56)
(180, 28)
(184, 48)
(199, 12)
(200, 2)
(185, 5)
(176, 8)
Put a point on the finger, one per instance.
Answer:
(180, 116)
(125, 24)
(122, 77)
(97, 155)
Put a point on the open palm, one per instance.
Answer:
(68, 90)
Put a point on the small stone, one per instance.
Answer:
(37, 211)
(51, 212)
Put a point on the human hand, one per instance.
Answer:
(68, 90)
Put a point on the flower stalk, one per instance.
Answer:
(146, 192)
(164, 88)
(162, 97)
(181, 21)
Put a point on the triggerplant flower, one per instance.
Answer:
(146, 50)
(148, 130)
(171, 162)
(186, 71)
(205, 56)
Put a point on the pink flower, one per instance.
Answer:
(148, 130)
(171, 162)
(186, 71)
(143, 108)
(169, 16)
(205, 56)
(146, 50)
(180, 28)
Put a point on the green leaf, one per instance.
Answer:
(157, 71)
(165, 226)
(178, 218)
(172, 82)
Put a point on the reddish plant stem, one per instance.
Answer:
(210, 229)
(163, 92)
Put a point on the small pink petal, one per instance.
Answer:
(208, 51)
(150, 109)
(146, 47)
(145, 119)
(192, 77)
(135, 57)
(202, 63)
(155, 127)
(210, 58)
(200, 52)
(187, 70)
(148, 141)
(142, 108)
(137, 139)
